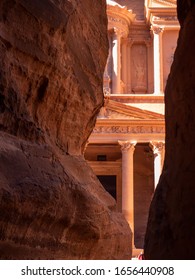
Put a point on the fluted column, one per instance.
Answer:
(158, 150)
(116, 58)
(157, 49)
(127, 148)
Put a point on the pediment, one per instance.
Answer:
(119, 111)
(163, 3)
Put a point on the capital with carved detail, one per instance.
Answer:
(127, 145)
(157, 29)
(157, 147)
(117, 32)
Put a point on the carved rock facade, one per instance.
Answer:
(171, 225)
(52, 58)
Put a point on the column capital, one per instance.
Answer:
(117, 32)
(127, 145)
(157, 29)
(157, 146)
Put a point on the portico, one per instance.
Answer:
(121, 131)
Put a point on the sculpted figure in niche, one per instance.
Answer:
(139, 72)
(139, 69)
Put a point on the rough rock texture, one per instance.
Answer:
(171, 225)
(52, 58)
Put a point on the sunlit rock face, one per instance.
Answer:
(171, 225)
(52, 58)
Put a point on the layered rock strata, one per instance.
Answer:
(171, 225)
(52, 58)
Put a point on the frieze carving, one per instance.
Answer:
(116, 19)
(129, 129)
(166, 18)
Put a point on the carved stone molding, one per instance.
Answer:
(164, 18)
(166, 3)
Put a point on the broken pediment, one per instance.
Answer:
(116, 110)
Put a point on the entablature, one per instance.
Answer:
(162, 13)
(111, 131)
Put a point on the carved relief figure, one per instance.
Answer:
(139, 69)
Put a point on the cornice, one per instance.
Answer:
(161, 3)
(136, 98)
(122, 123)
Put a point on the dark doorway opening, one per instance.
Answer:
(109, 183)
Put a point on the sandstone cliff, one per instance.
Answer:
(171, 225)
(52, 58)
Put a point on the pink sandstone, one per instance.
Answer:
(171, 225)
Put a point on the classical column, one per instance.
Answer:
(149, 76)
(158, 150)
(157, 49)
(124, 69)
(116, 58)
(127, 148)
(129, 45)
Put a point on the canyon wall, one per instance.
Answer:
(52, 58)
(171, 224)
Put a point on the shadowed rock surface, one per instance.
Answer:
(171, 225)
(52, 58)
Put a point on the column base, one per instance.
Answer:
(158, 93)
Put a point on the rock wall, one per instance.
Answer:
(171, 225)
(52, 58)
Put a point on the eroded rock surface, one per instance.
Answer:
(52, 58)
(171, 225)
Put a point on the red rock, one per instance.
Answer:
(171, 225)
(52, 58)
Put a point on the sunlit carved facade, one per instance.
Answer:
(126, 148)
